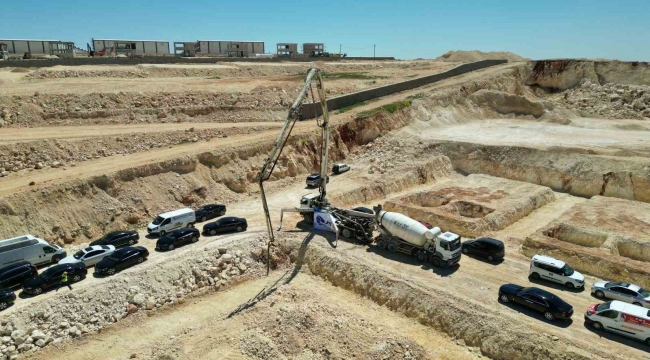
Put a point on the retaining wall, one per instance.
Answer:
(161, 60)
(312, 110)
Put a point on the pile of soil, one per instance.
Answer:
(476, 55)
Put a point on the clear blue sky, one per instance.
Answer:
(405, 29)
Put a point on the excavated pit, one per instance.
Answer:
(472, 210)
(605, 237)
(474, 205)
(578, 236)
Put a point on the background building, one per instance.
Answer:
(229, 48)
(287, 49)
(39, 47)
(133, 47)
(313, 49)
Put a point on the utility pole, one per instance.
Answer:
(340, 48)
(374, 50)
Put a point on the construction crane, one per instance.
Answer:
(361, 223)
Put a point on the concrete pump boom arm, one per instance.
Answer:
(280, 142)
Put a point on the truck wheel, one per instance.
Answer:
(56, 259)
(381, 244)
(597, 325)
(600, 294)
(392, 247)
(309, 218)
(534, 276)
(422, 256)
(346, 233)
(436, 261)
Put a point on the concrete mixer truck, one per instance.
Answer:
(400, 233)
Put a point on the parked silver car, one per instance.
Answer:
(619, 290)
(90, 255)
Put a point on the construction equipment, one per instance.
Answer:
(346, 218)
(103, 52)
(400, 233)
(4, 54)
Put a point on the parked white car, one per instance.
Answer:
(90, 255)
(548, 268)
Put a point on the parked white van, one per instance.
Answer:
(621, 318)
(548, 268)
(167, 222)
(29, 248)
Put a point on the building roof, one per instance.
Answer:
(165, 41)
(251, 41)
(287, 44)
(2, 39)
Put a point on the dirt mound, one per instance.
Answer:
(476, 55)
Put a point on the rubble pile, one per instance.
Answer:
(614, 101)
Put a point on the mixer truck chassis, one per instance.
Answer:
(395, 244)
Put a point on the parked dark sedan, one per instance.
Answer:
(491, 249)
(177, 238)
(537, 299)
(227, 224)
(118, 239)
(16, 274)
(211, 211)
(121, 259)
(52, 277)
(7, 297)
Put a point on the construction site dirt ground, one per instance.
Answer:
(483, 129)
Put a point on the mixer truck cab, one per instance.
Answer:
(400, 233)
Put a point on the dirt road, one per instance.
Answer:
(16, 135)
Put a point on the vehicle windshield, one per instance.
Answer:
(567, 271)
(617, 283)
(78, 255)
(603, 306)
(112, 258)
(453, 245)
(158, 220)
(645, 293)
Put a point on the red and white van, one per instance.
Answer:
(621, 318)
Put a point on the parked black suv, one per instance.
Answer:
(537, 299)
(226, 224)
(16, 274)
(174, 239)
(52, 277)
(491, 249)
(121, 259)
(7, 297)
(118, 239)
(207, 212)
